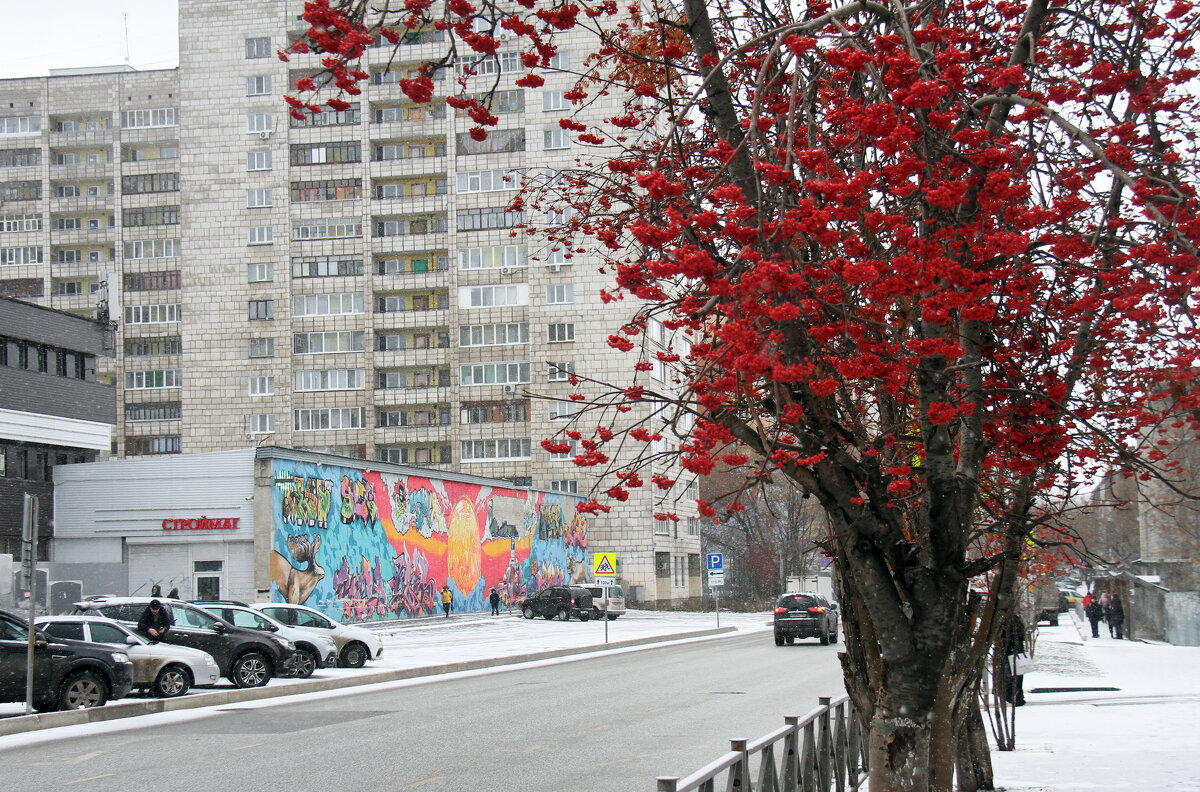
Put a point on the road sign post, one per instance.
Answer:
(604, 565)
(716, 579)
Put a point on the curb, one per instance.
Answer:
(132, 709)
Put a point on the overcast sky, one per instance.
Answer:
(59, 34)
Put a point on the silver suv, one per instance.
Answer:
(616, 599)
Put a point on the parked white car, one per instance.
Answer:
(616, 599)
(313, 649)
(356, 645)
(164, 669)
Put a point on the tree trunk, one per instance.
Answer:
(973, 764)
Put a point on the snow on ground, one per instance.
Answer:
(1142, 736)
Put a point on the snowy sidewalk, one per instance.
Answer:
(1142, 736)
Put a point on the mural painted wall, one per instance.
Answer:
(358, 544)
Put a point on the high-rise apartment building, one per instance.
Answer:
(352, 283)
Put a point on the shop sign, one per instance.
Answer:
(201, 524)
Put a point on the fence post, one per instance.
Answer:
(824, 744)
(739, 774)
(791, 755)
(668, 783)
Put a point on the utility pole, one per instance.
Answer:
(29, 540)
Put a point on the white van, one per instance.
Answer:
(616, 599)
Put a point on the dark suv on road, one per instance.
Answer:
(805, 616)
(247, 658)
(66, 674)
(560, 602)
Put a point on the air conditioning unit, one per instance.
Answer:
(510, 388)
(506, 270)
(554, 267)
(265, 134)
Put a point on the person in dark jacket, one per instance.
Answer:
(154, 621)
(1095, 614)
(1011, 641)
(1116, 616)
(494, 599)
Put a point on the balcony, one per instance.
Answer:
(408, 166)
(404, 358)
(81, 203)
(387, 397)
(99, 138)
(81, 171)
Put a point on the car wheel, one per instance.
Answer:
(354, 655)
(596, 614)
(824, 639)
(172, 681)
(833, 636)
(564, 614)
(527, 612)
(778, 639)
(82, 690)
(250, 670)
(306, 663)
(613, 616)
(789, 639)
(584, 616)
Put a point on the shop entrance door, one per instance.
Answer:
(206, 579)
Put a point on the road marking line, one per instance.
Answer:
(82, 780)
(426, 781)
(244, 747)
(84, 758)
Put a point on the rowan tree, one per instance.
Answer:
(929, 261)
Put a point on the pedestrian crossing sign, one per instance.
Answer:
(604, 564)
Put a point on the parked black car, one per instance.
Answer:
(66, 674)
(805, 616)
(562, 602)
(247, 658)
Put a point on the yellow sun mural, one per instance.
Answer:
(463, 565)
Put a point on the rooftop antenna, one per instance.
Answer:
(125, 17)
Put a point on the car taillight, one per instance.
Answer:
(781, 609)
(817, 609)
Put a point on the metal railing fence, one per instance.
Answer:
(825, 749)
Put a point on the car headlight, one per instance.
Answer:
(120, 657)
(287, 644)
(377, 639)
(209, 659)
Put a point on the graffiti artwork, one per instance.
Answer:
(358, 544)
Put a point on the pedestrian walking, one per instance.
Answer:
(173, 593)
(494, 599)
(1011, 641)
(1095, 614)
(154, 621)
(447, 599)
(156, 590)
(1116, 617)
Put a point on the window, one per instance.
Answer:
(558, 216)
(560, 293)
(501, 102)
(259, 197)
(416, 455)
(493, 296)
(328, 379)
(324, 266)
(20, 158)
(560, 371)
(555, 100)
(392, 303)
(152, 314)
(20, 222)
(262, 347)
(410, 265)
(501, 63)
(150, 216)
(323, 418)
(260, 423)
(567, 455)
(259, 85)
(560, 60)
(29, 191)
(20, 125)
(328, 117)
(413, 378)
(150, 183)
(429, 415)
(322, 153)
(153, 444)
(556, 139)
(693, 526)
(435, 338)
(488, 180)
(500, 334)
(328, 190)
(154, 411)
(262, 309)
(260, 272)
(260, 235)
(151, 281)
(153, 379)
(565, 485)
(258, 160)
(262, 386)
(258, 47)
(495, 412)
(492, 257)
(410, 226)
(32, 254)
(560, 332)
(327, 304)
(68, 256)
(494, 373)
(495, 448)
(158, 117)
(500, 141)
(66, 158)
(489, 217)
(258, 122)
(153, 345)
(326, 228)
(561, 410)
(152, 248)
(328, 341)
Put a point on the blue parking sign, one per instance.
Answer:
(716, 561)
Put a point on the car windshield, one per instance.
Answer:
(309, 619)
(186, 617)
(245, 618)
